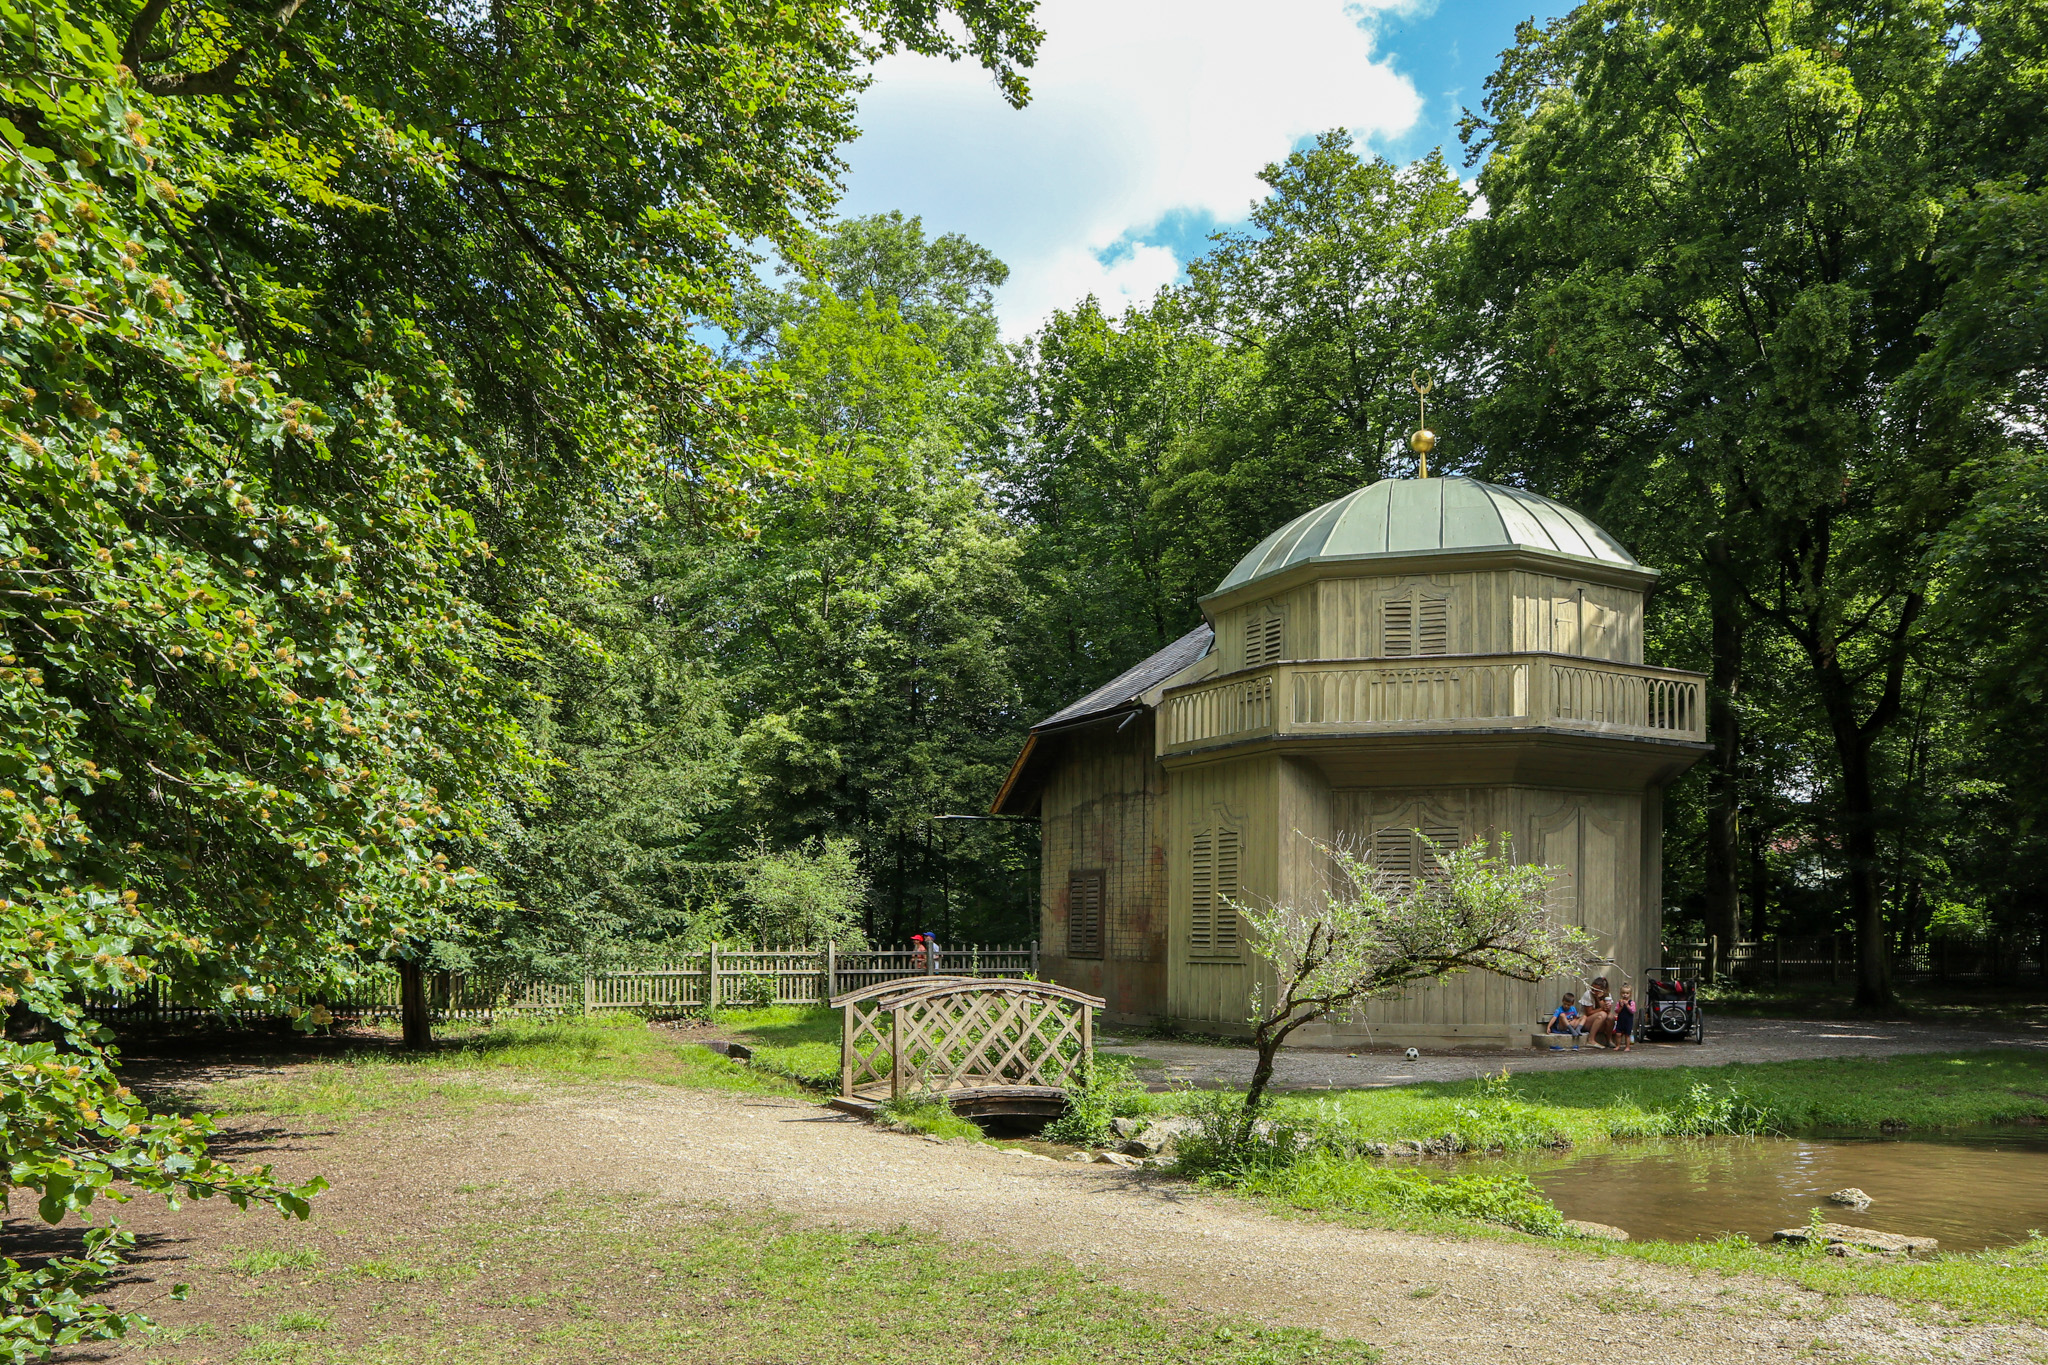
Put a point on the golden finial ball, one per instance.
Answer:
(1423, 441)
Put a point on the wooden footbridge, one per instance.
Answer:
(986, 1045)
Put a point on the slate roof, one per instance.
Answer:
(1126, 687)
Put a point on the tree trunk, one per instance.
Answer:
(414, 1020)
(1262, 1074)
(1854, 739)
(1724, 732)
(1866, 886)
(1759, 879)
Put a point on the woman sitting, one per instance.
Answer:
(1596, 1007)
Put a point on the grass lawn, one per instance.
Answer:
(1920, 1091)
(496, 1065)
(800, 1041)
(572, 1277)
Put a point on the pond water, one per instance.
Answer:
(1987, 1189)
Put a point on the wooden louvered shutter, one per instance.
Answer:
(1393, 853)
(1433, 632)
(1202, 924)
(1397, 632)
(1263, 640)
(1226, 891)
(1436, 839)
(1084, 914)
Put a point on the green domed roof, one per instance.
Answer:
(1426, 516)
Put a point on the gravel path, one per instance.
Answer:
(1425, 1299)
(1728, 1040)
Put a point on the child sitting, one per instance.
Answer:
(1565, 1019)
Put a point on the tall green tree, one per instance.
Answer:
(865, 633)
(1714, 235)
(328, 328)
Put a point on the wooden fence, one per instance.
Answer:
(716, 978)
(1832, 957)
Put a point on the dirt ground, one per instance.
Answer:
(1729, 1039)
(1424, 1299)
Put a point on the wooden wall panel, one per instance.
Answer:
(1103, 809)
(1242, 794)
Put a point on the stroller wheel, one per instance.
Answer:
(1699, 1027)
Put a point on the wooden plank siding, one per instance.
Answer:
(1101, 812)
(1474, 692)
(1504, 611)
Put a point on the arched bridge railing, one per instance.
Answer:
(962, 1036)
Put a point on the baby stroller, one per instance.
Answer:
(1672, 1010)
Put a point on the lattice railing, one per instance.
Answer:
(957, 1034)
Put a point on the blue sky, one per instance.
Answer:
(1149, 123)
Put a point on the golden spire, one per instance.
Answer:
(1424, 440)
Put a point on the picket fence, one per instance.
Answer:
(1833, 957)
(694, 983)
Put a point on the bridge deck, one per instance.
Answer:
(970, 1100)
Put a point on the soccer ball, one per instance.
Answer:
(1413, 1054)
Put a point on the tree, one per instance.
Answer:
(331, 331)
(865, 635)
(1370, 935)
(1714, 239)
(806, 895)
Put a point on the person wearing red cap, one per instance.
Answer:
(917, 952)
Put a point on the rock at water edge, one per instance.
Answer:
(1605, 1232)
(1843, 1234)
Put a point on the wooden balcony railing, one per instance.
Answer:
(1364, 696)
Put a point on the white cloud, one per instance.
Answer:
(1140, 109)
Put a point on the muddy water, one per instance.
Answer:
(1987, 1189)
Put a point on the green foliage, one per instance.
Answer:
(1109, 1089)
(927, 1114)
(1368, 934)
(1708, 1113)
(810, 894)
(1324, 1182)
(1233, 1138)
(325, 353)
(1744, 300)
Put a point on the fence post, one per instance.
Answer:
(711, 981)
(831, 971)
(846, 1052)
(1713, 956)
(896, 1053)
(1034, 957)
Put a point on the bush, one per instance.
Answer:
(1109, 1090)
(1231, 1140)
(925, 1113)
(1705, 1113)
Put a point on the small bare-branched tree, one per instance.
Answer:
(1373, 934)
